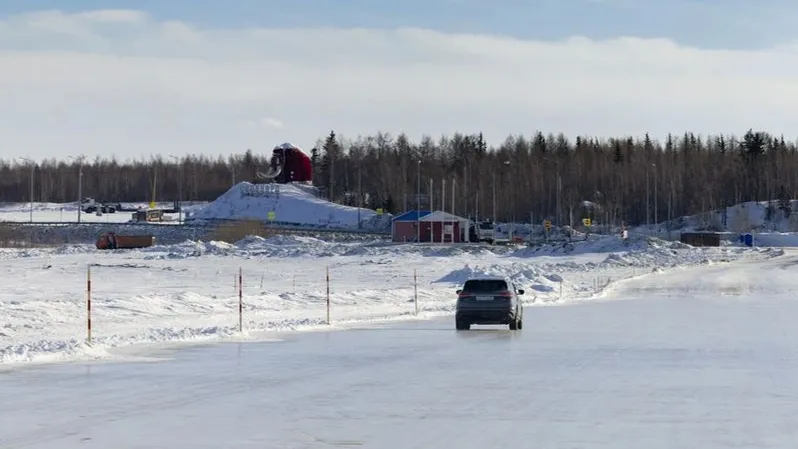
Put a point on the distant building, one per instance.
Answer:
(436, 227)
(404, 227)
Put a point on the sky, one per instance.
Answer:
(130, 79)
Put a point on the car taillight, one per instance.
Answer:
(505, 294)
(463, 295)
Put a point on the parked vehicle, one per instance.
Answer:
(111, 240)
(489, 300)
(484, 231)
(90, 206)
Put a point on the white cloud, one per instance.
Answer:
(120, 82)
(267, 122)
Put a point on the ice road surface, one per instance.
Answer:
(702, 357)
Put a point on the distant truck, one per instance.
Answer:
(484, 231)
(90, 206)
(111, 240)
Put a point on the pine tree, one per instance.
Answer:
(331, 154)
(784, 201)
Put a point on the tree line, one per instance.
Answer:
(542, 176)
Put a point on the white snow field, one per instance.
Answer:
(187, 292)
(67, 213)
(699, 357)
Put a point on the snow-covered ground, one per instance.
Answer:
(187, 292)
(288, 203)
(68, 212)
(751, 216)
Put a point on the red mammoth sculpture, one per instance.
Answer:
(288, 164)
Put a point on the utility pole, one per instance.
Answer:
(648, 203)
(359, 191)
(655, 197)
(32, 169)
(494, 198)
(79, 160)
(418, 203)
(443, 206)
(559, 194)
(431, 209)
(443, 195)
(453, 184)
(179, 189)
(512, 214)
(558, 189)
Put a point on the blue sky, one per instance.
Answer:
(734, 24)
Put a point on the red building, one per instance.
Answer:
(435, 227)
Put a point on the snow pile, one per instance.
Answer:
(751, 216)
(639, 251)
(551, 279)
(306, 246)
(253, 246)
(290, 204)
(526, 276)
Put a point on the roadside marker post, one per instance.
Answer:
(415, 290)
(88, 304)
(328, 295)
(240, 300)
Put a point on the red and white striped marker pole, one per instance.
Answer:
(88, 304)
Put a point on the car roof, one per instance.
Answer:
(489, 278)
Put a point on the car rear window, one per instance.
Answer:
(486, 285)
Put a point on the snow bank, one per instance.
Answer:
(549, 279)
(776, 239)
(290, 203)
(751, 216)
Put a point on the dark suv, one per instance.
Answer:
(492, 300)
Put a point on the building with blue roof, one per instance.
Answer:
(429, 226)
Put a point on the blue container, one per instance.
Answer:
(749, 240)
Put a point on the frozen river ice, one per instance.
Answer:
(704, 357)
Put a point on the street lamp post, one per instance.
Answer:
(79, 160)
(418, 203)
(558, 189)
(648, 202)
(655, 197)
(494, 200)
(179, 189)
(512, 226)
(32, 170)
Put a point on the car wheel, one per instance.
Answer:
(520, 324)
(514, 325)
(462, 326)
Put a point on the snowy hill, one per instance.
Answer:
(291, 204)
